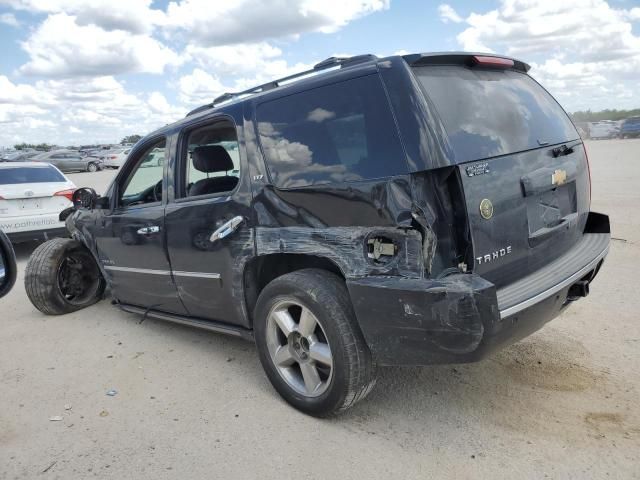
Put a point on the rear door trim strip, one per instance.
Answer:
(197, 274)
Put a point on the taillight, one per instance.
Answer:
(65, 193)
(113, 157)
(495, 62)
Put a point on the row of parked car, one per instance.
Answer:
(628, 128)
(34, 188)
(67, 160)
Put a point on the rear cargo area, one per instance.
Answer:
(522, 166)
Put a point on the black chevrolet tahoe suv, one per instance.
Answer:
(408, 210)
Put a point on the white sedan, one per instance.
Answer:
(115, 158)
(32, 195)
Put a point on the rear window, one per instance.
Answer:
(493, 112)
(337, 133)
(16, 175)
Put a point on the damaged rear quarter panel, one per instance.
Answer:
(335, 222)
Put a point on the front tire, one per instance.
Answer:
(92, 167)
(62, 277)
(310, 345)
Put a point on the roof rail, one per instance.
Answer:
(331, 62)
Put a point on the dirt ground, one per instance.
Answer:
(192, 404)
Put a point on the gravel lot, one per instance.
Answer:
(193, 404)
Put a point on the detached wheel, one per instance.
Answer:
(92, 167)
(310, 345)
(62, 277)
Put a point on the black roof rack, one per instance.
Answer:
(330, 62)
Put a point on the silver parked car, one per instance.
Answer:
(70, 161)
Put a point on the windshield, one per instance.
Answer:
(493, 112)
(16, 175)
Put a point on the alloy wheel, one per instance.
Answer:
(299, 348)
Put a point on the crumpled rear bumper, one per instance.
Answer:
(463, 318)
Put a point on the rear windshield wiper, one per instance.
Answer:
(561, 150)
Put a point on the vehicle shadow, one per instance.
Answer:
(529, 388)
(526, 388)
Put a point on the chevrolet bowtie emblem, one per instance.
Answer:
(559, 177)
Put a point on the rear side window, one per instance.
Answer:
(17, 175)
(337, 133)
(493, 112)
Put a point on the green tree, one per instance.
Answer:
(607, 114)
(130, 139)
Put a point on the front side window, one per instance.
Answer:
(336, 133)
(211, 161)
(144, 183)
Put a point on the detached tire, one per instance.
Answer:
(310, 345)
(62, 277)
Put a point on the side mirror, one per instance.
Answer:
(84, 198)
(8, 269)
(103, 203)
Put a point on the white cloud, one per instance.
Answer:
(9, 19)
(61, 47)
(246, 21)
(584, 51)
(21, 94)
(319, 115)
(247, 64)
(161, 108)
(78, 49)
(79, 111)
(238, 59)
(134, 16)
(200, 87)
(448, 14)
(579, 29)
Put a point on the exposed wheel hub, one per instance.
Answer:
(299, 346)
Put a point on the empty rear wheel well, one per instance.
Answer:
(263, 269)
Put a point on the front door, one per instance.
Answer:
(208, 236)
(131, 239)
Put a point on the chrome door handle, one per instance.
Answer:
(148, 230)
(226, 229)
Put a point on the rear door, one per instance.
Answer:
(58, 160)
(522, 166)
(212, 196)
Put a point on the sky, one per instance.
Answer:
(80, 72)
